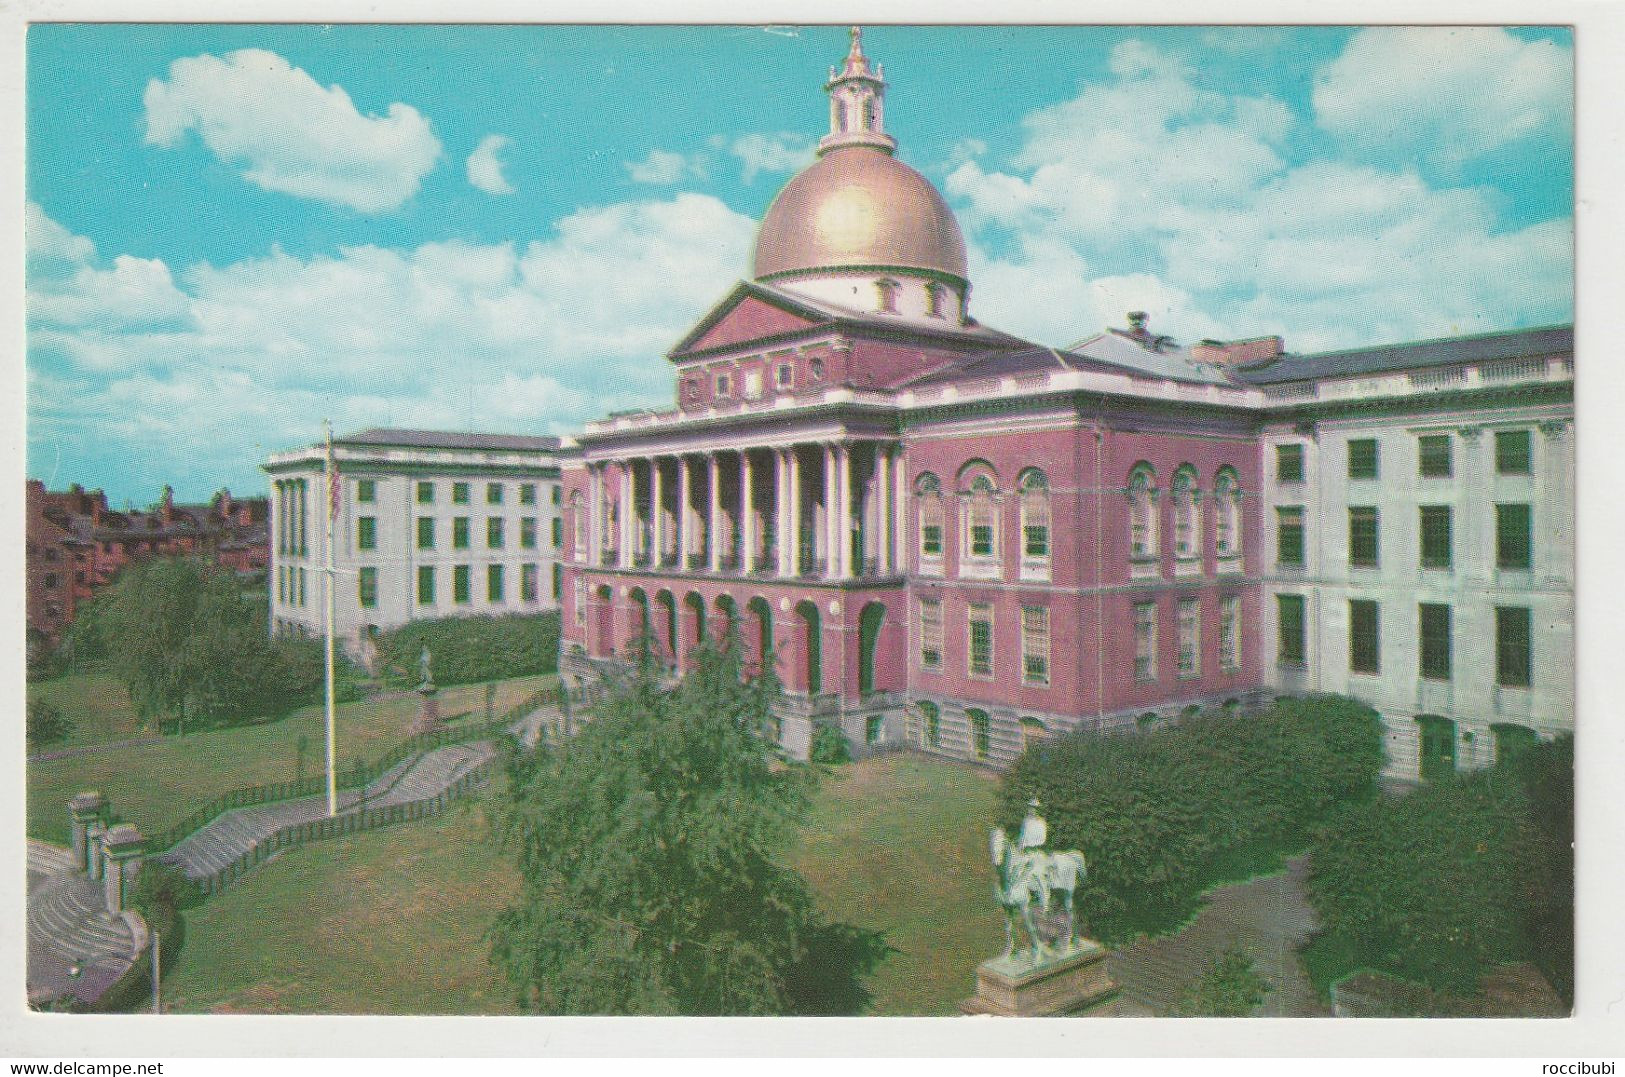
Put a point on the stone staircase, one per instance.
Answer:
(230, 837)
(76, 948)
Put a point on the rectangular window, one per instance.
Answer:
(460, 583)
(1363, 537)
(493, 583)
(527, 533)
(1512, 455)
(425, 585)
(1145, 641)
(366, 490)
(558, 496)
(1289, 537)
(1035, 526)
(931, 537)
(723, 385)
(930, 635)
(527, 493)
(1289, 463)
(425, 493)
(979, 630)
(1190, 637)
(1435, 650)
(1230, 635)
(301, 587)
(1364, 637)
(1293, 650)
(527, 583)
(1513, 655)
(367, 587)
(558, 581)
(1435, 536)
(1035, 644)
(1363, 458)
(558, 532)
(581, 600)
(493, 493)
(459, 493)
(459, 532)
(786, 375)
(493, 532)
(425, 532)
(1433, 456)
(366, 533)
(1513, 546)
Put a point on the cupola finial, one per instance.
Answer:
(856, 97)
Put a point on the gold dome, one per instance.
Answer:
(855, 207)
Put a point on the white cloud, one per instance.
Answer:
(664, 167)
(782, 152)
(1446, 93)
(1147, 192)
(485, 165)
(252, 353)
(288, 133)
(50, 245)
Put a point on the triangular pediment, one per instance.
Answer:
(748, 313)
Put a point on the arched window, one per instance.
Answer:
(933, 723)
(981, 732)
(1035, 521)
(980, 540)
(1142, 495)
(1186, 545)
(1227, 513)
(928, 494)
(933, 299)
(886, 295)
(868, 112)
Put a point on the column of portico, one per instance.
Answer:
(627, 515)
(780, 509)
(595, 523)
(713, 529)
(832, 563)
(657, 514)
(747, 537)
(684, 524)
(882, 488)
(899, 512)
(843, 513)
(792, 522)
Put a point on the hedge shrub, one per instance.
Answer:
(1456, 877)
(465, 650)
(1162, 817)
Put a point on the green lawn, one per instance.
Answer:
(393, 921)
(386, 922)
(157, 785)
(898, 844)
(97, 704)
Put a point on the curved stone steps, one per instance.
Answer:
(47, 859)
(67, 915)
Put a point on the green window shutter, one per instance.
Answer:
(1289, 463)
(1435, 523)
(1363, 458)
(1289, 537)
(1513, 537)
(1512, 452)
(367, 587)
(425, 532)
(527, 493)
(527, 532)
(425, 493)
(459, 532)
(1435, 641)
(366, 490)
(1363, 537)
(493, 493)
(1364, 637)
(459, 583)
(1433, 456)
(459, 493)
(425, 585)
(1513, 651)
(493, 532)
(1290, 610)
(493, 583)
(366, 533)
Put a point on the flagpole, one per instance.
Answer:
(332, 511)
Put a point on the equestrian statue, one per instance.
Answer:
(1029, 877)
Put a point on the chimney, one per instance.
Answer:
(1236, 352)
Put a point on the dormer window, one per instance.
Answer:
(933, 299)
(785, 375)
(886, 291)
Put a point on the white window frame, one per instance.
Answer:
(1145, 642)
(931, 635)
(974, 612)
(1034, 511)
(1190, 638)
(1035, 644)
(981, 497)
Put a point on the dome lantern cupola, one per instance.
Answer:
(860, 228)
(857, 98)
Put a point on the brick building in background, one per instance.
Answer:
(75, 544)
(958, 541)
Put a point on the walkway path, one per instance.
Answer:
(1269, 917)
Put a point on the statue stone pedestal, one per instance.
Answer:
(1066, 984)
(428, 710)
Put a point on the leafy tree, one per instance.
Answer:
(186, 641)
(829, 745)
(46, 724)
(1230, 987)
(651, 847)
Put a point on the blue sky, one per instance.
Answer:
(235, 231)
